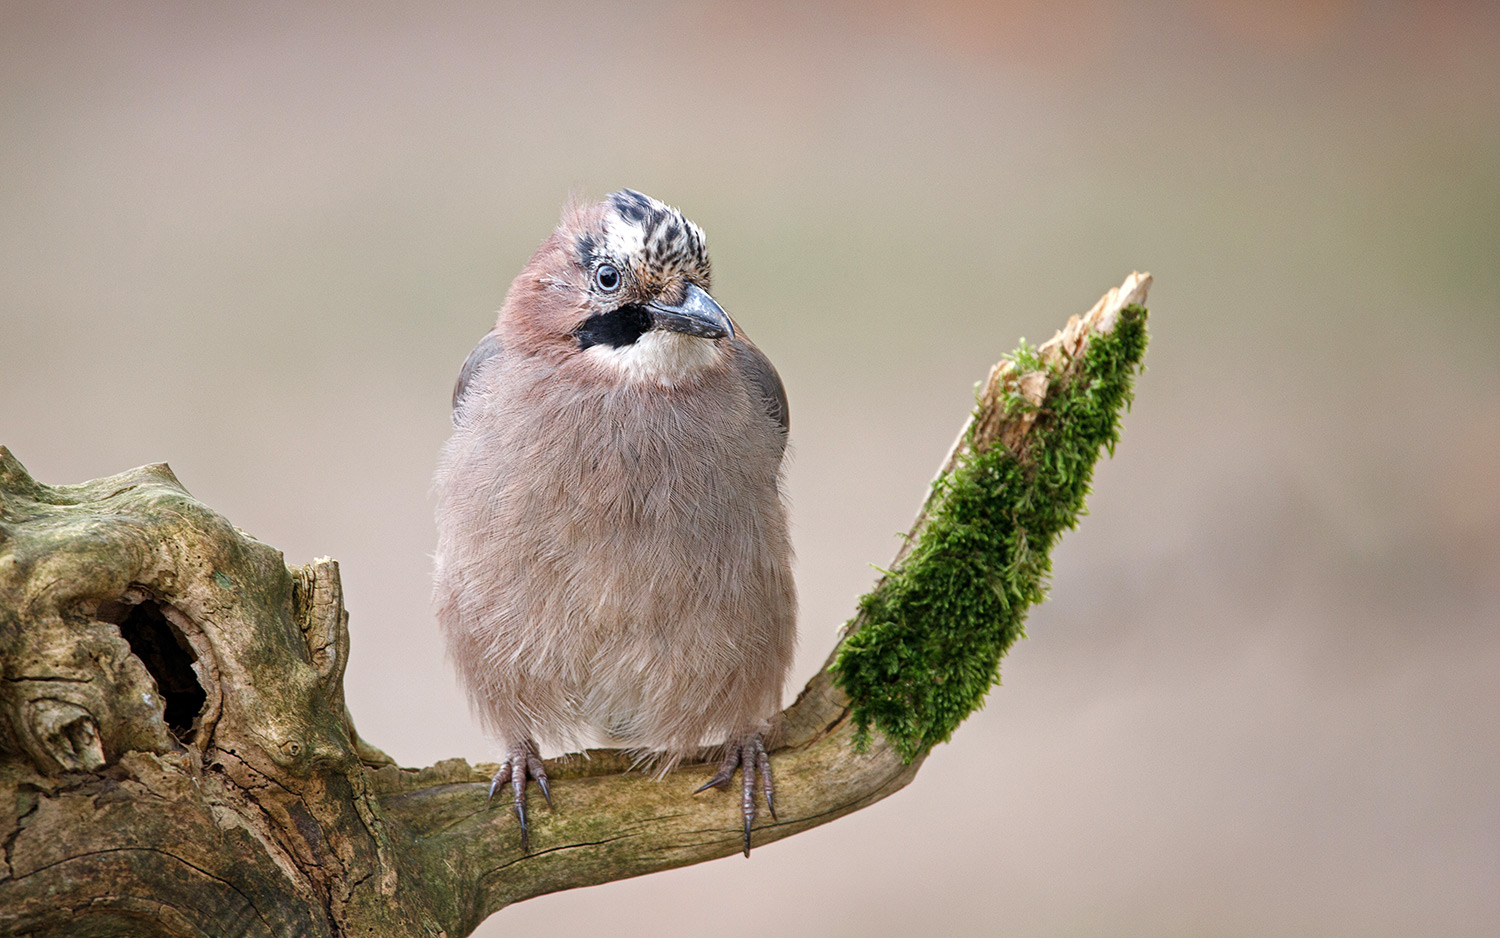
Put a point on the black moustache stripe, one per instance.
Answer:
(616, 328)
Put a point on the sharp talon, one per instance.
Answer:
(539, 772)
(747, 836)
(726, 770)
(718, 781)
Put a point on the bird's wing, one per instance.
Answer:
(488, 348)
(764, 382)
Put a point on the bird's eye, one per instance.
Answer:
(607, 278)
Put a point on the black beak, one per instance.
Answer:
(697, 314)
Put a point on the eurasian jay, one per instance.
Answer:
(613, 563)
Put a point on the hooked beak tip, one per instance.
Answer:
(697, 315)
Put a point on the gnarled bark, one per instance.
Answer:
(176, 757)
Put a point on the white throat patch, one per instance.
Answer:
(658, 357)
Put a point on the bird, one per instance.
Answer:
(614, 562)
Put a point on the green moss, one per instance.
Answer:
(934, 630)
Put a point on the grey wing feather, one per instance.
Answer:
(764, 382)
(488, 348)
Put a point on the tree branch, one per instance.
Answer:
(176, 757)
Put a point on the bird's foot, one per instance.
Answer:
(750, 757)
(521, 761)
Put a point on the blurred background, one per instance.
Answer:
(1265, 698)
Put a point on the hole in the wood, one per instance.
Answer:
(167, 656)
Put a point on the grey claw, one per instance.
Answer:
(726, 770)
(541, 782)
(539, 772)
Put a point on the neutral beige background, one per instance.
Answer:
(1265, 699)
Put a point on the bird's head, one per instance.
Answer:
(622, 284)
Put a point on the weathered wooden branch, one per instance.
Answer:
(176, 758)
